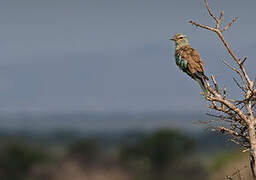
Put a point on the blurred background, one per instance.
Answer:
(90, 90)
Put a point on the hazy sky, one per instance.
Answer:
(96, 55)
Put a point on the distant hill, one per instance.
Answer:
(99, 122)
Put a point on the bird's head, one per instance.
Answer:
(180, 40)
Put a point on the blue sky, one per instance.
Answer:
(108, 56)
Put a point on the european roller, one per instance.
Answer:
(189, 60)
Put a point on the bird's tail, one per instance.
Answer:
(201, 82)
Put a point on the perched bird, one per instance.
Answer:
(189, 60)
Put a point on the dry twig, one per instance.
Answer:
(238, 113)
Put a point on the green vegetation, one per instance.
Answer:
(161, 155)
(221, 159)
(86, 152)
(17, 158)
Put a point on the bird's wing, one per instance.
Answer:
(182, 64)
(195, 63)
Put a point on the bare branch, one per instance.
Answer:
(220, 117)
(254, 86)
(250, 83)
(221, 15)
(236, 173)
(237, 71)
(209, 11)
(230, 131)
(238, 114)
(215, 84)
(203, 26)
(243, 61)
(242, 88)
(229, 24)
(224, 92)
(234, 141)
(224, 96)
(232, 107)
(246, 150)
(205, 122)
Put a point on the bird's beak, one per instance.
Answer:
(172, 39)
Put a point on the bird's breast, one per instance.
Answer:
(181, 62)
